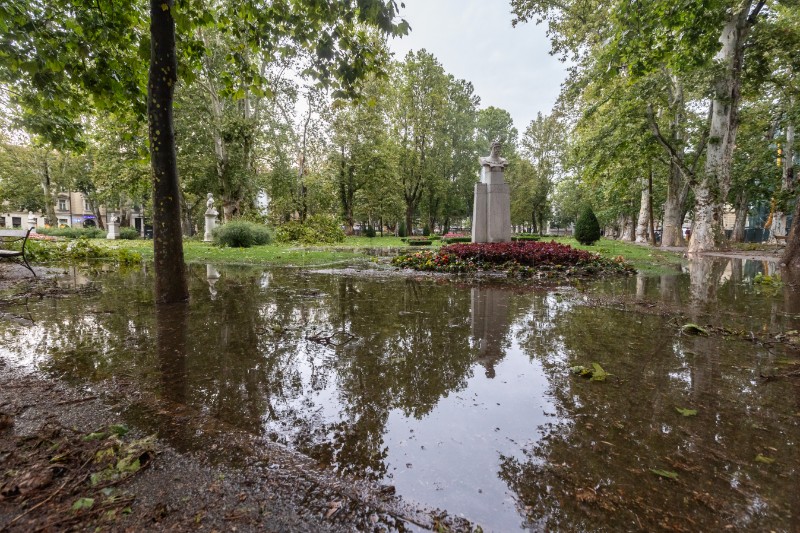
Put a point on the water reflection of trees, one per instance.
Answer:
(593, 470)
(245, 355)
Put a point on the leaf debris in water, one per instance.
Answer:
(686, 412)
(595, 373)
(764, 459)
(694, 329)
(665, 473)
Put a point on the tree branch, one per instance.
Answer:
(675, 156)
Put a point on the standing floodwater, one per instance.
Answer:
(461, 395)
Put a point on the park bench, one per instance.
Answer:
(9, 236)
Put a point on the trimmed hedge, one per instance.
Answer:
(128, 233)
(241, 234)
(587, 229)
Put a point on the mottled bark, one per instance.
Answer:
(49, 201)
(170, 271)
(712, 189)
(791, 255)
(643, 220)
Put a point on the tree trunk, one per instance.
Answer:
(672, 232)
(644, 214)
(170, 271)
(791, 256)
(712, 189)
(741, 217)
(779, 219)
(49, 202)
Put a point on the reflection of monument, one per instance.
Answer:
(489, 325)
(212, 276)
(491, 218)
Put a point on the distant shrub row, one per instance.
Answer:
(127, 233)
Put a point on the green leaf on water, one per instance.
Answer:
(764, 459)
(665, 473)
(686, 412)
(694, 329)
(94, 436)
(598, 374)
(83, 503)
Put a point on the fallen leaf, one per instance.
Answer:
(694, 329)
(665, 473)
(686, 412)
(83, 503)
(764, 459)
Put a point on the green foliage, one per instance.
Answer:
(401, 230)
(78, 250)
(241, 234)
(369, 232)
(73, 233)
(127, 233)
(317, 229)
(426, 230)
(587, 229)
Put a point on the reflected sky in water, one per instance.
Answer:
(459, 394)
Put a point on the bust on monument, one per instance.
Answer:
(210, 205)
(494, 160)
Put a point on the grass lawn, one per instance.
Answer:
(644, 258)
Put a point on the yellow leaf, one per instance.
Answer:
(164, 7)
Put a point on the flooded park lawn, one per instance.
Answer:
(461, 395)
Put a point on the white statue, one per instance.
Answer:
(210, 201)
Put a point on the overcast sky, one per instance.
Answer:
(473, 40)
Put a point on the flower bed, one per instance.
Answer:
(522, 258)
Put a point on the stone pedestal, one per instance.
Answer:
(113, 227)
(31, 222)
(211, 223)
(491, 219)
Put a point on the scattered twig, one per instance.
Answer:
(79, 400)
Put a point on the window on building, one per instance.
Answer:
(87, 205)
(2, 222)
(63, 222)
(16, 222)
(62, 204)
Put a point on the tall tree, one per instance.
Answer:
(64, 56)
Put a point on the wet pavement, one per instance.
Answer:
(460, 395)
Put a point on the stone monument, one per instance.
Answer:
(31, 222)
(113, 226)
(211, 219)
(491, 215)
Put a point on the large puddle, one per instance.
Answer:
(461, 396)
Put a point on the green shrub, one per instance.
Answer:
(450, 240)
(587, 229)
(369, 232)
(317, 229)
(426, 230)
(128, 233)
(73, 233)
(241, 234)
(402, 231)
(525, 238)
(418, 241)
